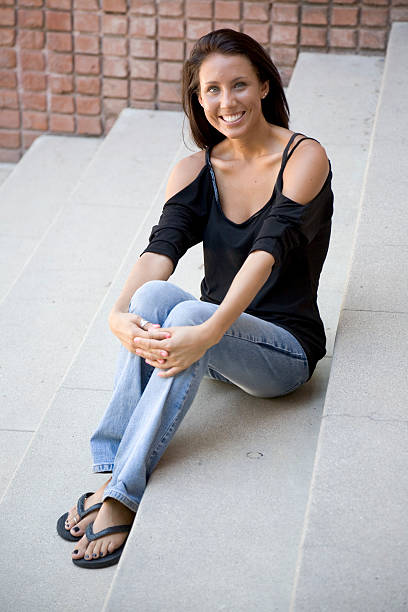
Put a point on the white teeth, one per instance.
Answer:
(231, 118)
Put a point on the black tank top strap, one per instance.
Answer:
(298, 143)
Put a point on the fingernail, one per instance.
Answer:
(156, 325)
(138, 351)
(75, 528)
(168, 335)
(75, 552)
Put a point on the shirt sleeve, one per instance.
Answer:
(182, 221)
(290, 225)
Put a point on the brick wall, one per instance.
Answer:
(71, 66)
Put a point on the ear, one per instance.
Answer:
(265, 89)
(200, 99)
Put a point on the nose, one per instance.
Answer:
(227, 99)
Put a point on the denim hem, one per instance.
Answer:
(102, 467)
(126, 501)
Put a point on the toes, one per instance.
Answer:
(97, 549)
(89, 551)
(80, 548)
(111, 547)
(72, 519)
(104, 547)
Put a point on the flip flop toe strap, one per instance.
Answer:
(108, 531)
(81, 505)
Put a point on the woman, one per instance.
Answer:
(257, 323)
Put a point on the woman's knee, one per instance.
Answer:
(149, 293)
(190, 312)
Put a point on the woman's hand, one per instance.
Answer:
(185, 346)
(126, 327)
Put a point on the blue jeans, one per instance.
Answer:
(145, 410)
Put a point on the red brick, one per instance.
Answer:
(10, 156)
(143, 7)
(372, 39)
(86, 43)
(374, 16)
(8, 2)
(344, 15)
(33, 120)
(351, 1)
(399, 14)
(87, 64)
(32, 60)
(34, 101)
(399, 2)
(284, 55)
(88, 105)
(33, 3)
(61, 5)
(62, 123)
(115, 67)
(379, 2)
(86, 5)
(285, 13)
(143, 26)
(114, 24)
(342, 38)
(171, 28)
(227, 9)
(170, 71)
(89, 125)
(114, 46)
(62, 104)
(113, 106)
(258, 31)
(61, 83)
(59, 41)
(199, 8)
(30, 19)
(142, 90)
(315, 15)
(115, 88)
(28, 139)
(313, 37)
(7, 17)
(169, 92)
(171, 49)
(142, 48)
(232, 25)
(284, 34)
(86, 22)
(7, 37)
(256, 11)
(33, 81)
(142, 69)
(8, 79)
(88, 85)
(8, 98)
(196, 29)
(58, 21)
(10, 140)
(60, 63)
(172, 8)
(114, 6)
(30, 39)
(7, 58)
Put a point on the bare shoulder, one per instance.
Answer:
(184, 173)
(306, 171)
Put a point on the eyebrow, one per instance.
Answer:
(232, 80)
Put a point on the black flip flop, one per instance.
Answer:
(110, 559)
(65, 533)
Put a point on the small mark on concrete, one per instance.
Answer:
(254, 455)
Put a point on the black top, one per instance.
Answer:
(296, 235)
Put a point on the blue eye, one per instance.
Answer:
(240, 83)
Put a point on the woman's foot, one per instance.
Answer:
(73, 524)
(111, 514)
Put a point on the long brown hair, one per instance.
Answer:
(229, 42)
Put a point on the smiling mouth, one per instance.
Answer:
(232, 118)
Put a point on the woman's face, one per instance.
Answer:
(230, 93)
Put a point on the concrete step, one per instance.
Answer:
(235, 558)
(218, 529)
(33, 197)
(355, 535)
(5, 170)
(84, 256)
